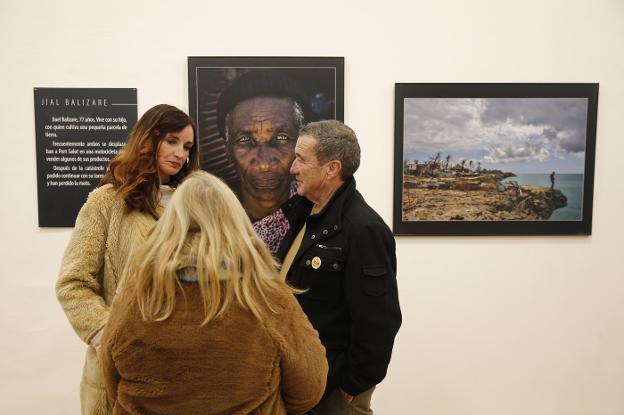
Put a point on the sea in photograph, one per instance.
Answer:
(571, 185)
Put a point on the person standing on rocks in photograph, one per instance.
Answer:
(552, 180)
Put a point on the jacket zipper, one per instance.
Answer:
(331, 248)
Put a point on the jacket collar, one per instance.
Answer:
(332, 211)
(323, 224)
(328, 221)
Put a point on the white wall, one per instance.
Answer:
(492, 325)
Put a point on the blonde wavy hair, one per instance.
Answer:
(233, 264)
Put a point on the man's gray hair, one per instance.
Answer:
(297, 113)
(335, 141)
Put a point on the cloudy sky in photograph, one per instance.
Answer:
(522, 135)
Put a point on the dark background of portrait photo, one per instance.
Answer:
(322, 79)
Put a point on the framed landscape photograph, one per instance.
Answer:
(494, 159)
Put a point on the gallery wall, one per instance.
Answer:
(492, 325)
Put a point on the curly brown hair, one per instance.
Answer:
(134, 171)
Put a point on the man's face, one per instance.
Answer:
(309, 174)
(262, 134)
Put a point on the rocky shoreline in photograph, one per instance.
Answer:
(475, 197)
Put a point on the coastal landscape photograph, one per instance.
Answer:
(499, 159)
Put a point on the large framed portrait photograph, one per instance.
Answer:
(248, 112)
(494, 159)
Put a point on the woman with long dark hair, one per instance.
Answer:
(118, 215)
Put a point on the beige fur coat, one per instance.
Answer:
(104, 235)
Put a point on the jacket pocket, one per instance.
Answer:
(322, 258)
(374, 280)
(321, 272)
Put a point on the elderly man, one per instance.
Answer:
(259, 116)
(343, 254)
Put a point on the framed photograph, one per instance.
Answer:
(248, 112)
(494, 159)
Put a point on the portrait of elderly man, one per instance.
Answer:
(259, 116)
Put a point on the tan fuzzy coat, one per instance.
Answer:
(233, 365)
(100, 244)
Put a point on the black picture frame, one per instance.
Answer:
(531, 128)
(242, 93)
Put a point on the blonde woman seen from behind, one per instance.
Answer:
(160, 151)
(204, 324)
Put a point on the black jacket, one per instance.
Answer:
(347, 262)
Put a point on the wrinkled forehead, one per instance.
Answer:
(273, 110)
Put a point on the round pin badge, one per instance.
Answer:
(316, 262)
